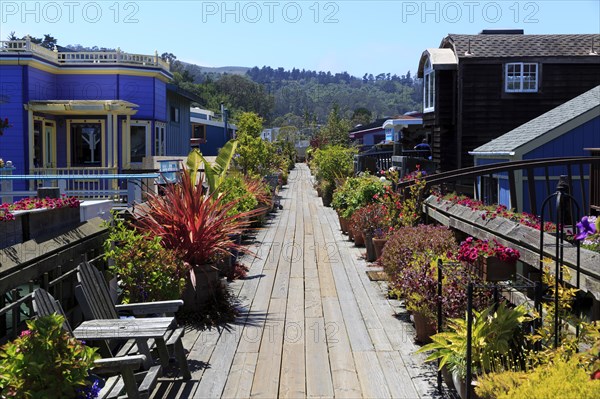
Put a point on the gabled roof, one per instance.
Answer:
(521, 45)
(552, 124)
(440, 58)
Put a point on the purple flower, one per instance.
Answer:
(585, 228)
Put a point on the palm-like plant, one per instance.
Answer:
(215, 173)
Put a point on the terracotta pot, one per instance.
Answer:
(359, 240)
(424, 326)
(493, 269)
(350, 233)
(378, 243)
(344, 225)
(370, 247)
(207, 281)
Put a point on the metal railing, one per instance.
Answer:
(544, 170)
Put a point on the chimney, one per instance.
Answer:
(502, 32)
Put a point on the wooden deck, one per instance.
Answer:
(312, 323)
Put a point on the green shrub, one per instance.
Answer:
(355, 193)
(234, 188)
(145, 269)
(45, 362)
(333, 162)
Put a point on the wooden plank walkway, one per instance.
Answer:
(311, 323)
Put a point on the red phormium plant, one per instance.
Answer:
(471, 250)
(192, 222)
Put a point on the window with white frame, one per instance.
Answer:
(160, 137)
(428, 88)
(521, 77)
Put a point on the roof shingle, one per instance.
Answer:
(516, 45)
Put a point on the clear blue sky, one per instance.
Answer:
(354, 36)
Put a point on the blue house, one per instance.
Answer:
(567, 130)
(209, 133)
(81, 111)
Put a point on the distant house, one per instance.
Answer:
(567, 130)
(366, 136)
(270, 135)
(179, 126)
(208, 133)
(478, 87)
(100, 110)
(401, 129)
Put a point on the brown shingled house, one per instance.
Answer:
(478, 87)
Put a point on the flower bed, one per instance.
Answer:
(524, 238)
(32, 218)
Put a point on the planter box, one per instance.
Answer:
(493, 269)
(38, 223)
(11, 233)
(518, 236)
(51, 221)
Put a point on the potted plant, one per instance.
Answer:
(46, 362)
(492, 261)
(146, 271)
(379, 239)
(494, 342)
(197, 225)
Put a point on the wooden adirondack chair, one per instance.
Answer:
(95, 301)
(120, 369)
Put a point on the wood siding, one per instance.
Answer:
(488, 112)
(178, 133)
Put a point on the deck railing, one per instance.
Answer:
(84, 57)
(546, 170)
(85, 183)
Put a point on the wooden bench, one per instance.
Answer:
(94, 299)
(119, 369)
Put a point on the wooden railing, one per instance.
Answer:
(53, 272)
(84, 57)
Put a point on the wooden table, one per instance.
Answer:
(124, 329)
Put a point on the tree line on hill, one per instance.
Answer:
(299, 97)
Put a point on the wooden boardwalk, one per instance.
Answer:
(312, 324)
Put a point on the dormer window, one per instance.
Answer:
(428, 87)
(521, 77)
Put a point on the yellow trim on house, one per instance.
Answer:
(126, 139)
(57, 70)
(103, 137)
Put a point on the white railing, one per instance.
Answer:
(84, 57)
(83, 182)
